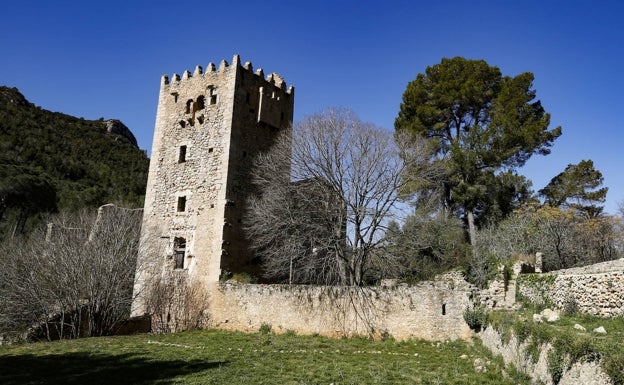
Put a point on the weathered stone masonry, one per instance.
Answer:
(209, 126)
(596, 289)
(431, 310)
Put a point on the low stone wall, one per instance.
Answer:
(431, 310)
(599, 294)
(514, 352)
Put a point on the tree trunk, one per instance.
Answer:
(472, 231)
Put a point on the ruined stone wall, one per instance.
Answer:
(596, 289)
(430, 310)
(515, 352)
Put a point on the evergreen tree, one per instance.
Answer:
(50, 161)
(577, 188)
(481, 122)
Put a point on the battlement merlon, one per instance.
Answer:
(273, 78)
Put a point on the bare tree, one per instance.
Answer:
(565, 238)
(74, 278)
(176, 303)
(323, 221)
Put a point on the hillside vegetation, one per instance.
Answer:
(52, 162)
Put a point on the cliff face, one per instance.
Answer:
(117, 127)
(12, 97)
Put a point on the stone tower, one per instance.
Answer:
(209, 127)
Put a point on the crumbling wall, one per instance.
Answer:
(596, 289)
(431, 310)
(515, 352)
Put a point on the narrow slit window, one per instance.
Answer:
(181, 204)
(182, 154)
(443, 309)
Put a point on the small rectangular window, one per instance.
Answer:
(179, 259)
(212, 96)
(182, 154)
(179, 252)
(181, 204)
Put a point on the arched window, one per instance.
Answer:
(200, 104)
(189, 106)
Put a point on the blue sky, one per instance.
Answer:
(105, 59)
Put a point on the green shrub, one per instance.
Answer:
(570, 307)
(265, 328)
(475, 317)
(613, 365)
(386, 336)
(555, 365)
(242, 278)
(540, 284)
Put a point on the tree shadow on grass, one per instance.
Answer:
(81, 368)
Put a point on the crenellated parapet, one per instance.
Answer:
(212, 70)
(211, 123)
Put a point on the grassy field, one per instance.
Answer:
(218, 357)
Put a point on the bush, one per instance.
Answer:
(613, 364)
(242, 278)
(570, 307)
(475, 317)
(265, 328)
(556, 366)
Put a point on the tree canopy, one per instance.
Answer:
(577, 187)
(51, 161)
(481, 123)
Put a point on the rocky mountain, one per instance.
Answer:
(50, 161)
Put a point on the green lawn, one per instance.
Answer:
(218, 357)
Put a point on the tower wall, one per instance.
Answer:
(209, 127)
